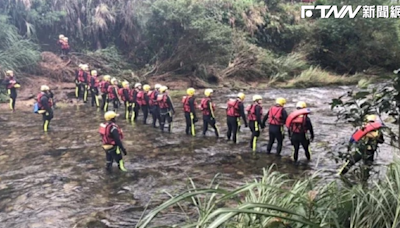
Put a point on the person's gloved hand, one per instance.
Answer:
(195, 120)
(312, 139)
(124, 151)
(246, 125)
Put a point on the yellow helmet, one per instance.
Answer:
(301, 104)
(146, 88)
(94, 72)
(114, 80)
(138, 84)
(107, 78)
(9, 72)
(241, 96)
(125, 84)
(163, 89)
(157, 86)
(60, 36)
(257, 97)
(371, 118)
(208, 92)
(44, 88)
(110, 115)
(280, 101)
(190, 91)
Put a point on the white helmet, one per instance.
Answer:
(138, 84)
(157, 86)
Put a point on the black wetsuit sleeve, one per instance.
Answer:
(126, 94)
(192, 106)
(44, 101)
(310, 127)
(242, 113)
(284, 116)
(116, 137)
(76, 75)
(134, 96)
(92, 82)
(265, 118)
(258, 115)
(169, 102)
(146, 98)
(85, 77)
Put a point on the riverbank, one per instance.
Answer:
(64, 88)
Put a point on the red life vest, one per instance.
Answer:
(185, 102)
(81, 76)
(122, 95)
(140, 98)
(39, 97)
(162, 100)
(233, 108)
(204, 106)
(275, 115)
(64, 45)
(360, 133)
(11, 82)
(96, 81)
(251, 110)
(104, 86)
(112, 92)
(152, 98)
(105, 133)
(298, 124)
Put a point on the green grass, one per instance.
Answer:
(315, 77)
(278, 201)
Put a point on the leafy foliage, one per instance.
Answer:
(16, 53)
(353, 45)
(277, 201)
(250, 39)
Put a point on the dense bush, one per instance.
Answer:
(16, 53)
(241, 38)
(278, 201)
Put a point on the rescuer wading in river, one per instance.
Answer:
(208, 109)
(45, 102)
(11, 85)
(276, 117)
(366, 151)
(111, 137)
(235, 110)
(189, 108)
(255, 113)
(166, 108)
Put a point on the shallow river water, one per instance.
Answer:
(58, 179)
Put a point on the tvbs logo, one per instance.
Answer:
(328, 10)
